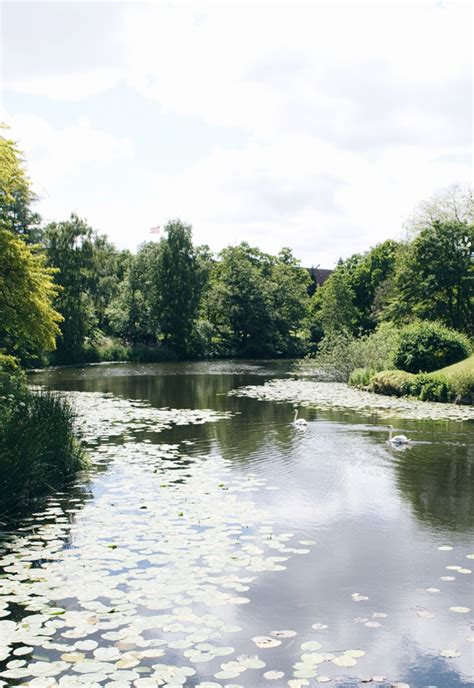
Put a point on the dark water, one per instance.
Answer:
(376, 516)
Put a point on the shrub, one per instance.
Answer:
(392, 383)
(38, 448)
(431, 388)
(361, 377)
(462, 385)
(12, 378)
(340, 353)
(425, 386)
(112, 350)
(427, 346)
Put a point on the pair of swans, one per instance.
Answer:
(392, 439)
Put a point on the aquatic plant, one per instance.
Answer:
(338, 395)
(38, 447)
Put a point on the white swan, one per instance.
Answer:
(398, 439)
(299, 422)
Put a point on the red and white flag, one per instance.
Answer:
(155, 230)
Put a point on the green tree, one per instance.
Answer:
(435, 276)
(69, 247)
(107, 271)
(257, 302)
(28, 321)
(16, 195)
(240, 300)
(337, 310)
(290, 302)
(130, 312)
(177, 280)
(371, 270)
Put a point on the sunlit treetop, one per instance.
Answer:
(16, 195)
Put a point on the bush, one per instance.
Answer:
(462, 384)
(425, 386)
(431, 388)
(427, 346)
(12, 377)
(392, 383)
(38, 448)
(107, 350)
(340, 353)
(361, 377)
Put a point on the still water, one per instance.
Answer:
(214, 544)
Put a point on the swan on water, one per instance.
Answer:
(398, 439)
(299, 422)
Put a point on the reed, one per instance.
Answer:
(39, 449)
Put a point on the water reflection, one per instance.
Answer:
(375, 575)
(437, 478)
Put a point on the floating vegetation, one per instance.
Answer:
(340, 395)
(283, 634)
(136, 586)
(149, 579)
(105, 415)
(273, 675)
(449, 654)
(263, 641)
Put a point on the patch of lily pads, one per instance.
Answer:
(339, 395)
(137, 587)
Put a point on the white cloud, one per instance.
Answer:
(55, 154)
(304, 193)
(344, 72)
(353, 113)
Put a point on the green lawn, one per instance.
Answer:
(464, 366)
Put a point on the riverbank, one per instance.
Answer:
(39, 449)
(340, 395)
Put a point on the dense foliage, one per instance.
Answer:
(38, 448)
(89, 301)
(28, 323)
(16, 196)
(436, 386)
(434, 278)
(257, 302)
(427, 346)
(341, 353)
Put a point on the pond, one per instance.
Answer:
(214, 544)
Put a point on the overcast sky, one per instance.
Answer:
(317, 126)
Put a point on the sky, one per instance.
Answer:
(319, 125)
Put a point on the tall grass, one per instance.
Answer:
(38, 448)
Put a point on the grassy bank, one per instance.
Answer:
(39, 451)
(454, 383)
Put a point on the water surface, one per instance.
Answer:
(199, 536)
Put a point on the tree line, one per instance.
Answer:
(66, 289)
